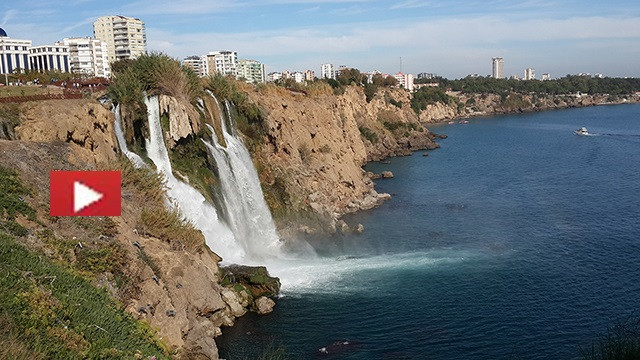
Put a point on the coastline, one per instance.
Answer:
(494, 110)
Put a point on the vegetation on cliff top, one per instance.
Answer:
(50, 311)
(570, 84)
(428, 96)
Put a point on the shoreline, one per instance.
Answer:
(635, 99)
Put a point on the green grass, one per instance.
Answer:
(12, 194)
(169, 225)
(56, 314)
(26, 90)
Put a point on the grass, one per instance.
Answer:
(51, 312)
(26, 90)
(169, 225)
(12, 194)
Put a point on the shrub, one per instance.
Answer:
(366, 133)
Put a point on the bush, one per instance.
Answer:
(366, 133)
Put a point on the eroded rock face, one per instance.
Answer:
(315, 148)
(85, 124)
(182, 117)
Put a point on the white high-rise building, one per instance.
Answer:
(529, 74)
(14, 54)
(298, 76)
(250, 70)
(327, 71)
(405, 80)
(222, 62)
(196, 64)
(497, 68)
(546, 77)
(49, 58)
(125, 36)
(88, 56)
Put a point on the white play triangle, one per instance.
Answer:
(84, 196)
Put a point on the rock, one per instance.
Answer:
(359, 229)
(230, 297)
(180, 115)
(264, 305)
(387, 174)
(425, 154)
(342, 225)
(255, 279)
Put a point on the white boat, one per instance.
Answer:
(581, 131)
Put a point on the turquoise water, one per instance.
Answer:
(516, 239)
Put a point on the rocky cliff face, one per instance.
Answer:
(316, 145)
(177, 292)
(493, 104)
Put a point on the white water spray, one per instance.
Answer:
(117, 125)
(190, 201)
(249, 215)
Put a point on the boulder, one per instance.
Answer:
(255, 279)
(264, 305)
(359, 229)
(387, 174)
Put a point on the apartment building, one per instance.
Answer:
(327, 71)
(309, 75)
(87, 56)
(222, 62)
(497, 68)
(251, 70)
(196, 64)
(404, 80)
(125, 36)
(529, 74)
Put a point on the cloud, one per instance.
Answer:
(411, 4)
(10, 14)
(457, 43)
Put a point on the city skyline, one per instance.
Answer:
(451, 40)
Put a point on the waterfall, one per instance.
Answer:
(117, 125)
(249, 215)
(191, 203)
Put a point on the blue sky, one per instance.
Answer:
(453, 38)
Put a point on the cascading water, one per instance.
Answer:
(249, 216)
(190, 201)
(117, 125)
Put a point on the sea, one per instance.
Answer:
(515, 240)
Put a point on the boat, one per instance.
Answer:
(581, 131)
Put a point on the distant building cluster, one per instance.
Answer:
(115, 38)
(497, 71)
(226, 62)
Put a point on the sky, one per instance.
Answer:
(449, 38)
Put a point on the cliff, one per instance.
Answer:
(145, 265)
(493, 104)
(315, 145)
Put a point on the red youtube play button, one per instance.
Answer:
(85, 193)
